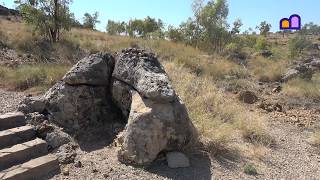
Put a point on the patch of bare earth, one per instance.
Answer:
(9, 100)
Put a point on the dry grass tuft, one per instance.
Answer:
(267, 70)
(302, 88)
(40, 76)
(217, 118)
(315, 139)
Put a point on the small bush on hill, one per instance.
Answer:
(261, 44)
(297, 45)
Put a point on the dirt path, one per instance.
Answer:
(9, 100)
(292, 157)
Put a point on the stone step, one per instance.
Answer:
(17, 135)
(38, 168)
(11, 120)
(21, 153)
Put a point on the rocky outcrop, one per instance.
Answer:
(132, 87)
(94, 70)
(158, 120)
(83, 97)
(304, 70)
(154, 127)
(248, 97)
(143, 72)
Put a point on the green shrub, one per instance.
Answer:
(261, 44)
(250, 41)
(297, 45)
(250, 169)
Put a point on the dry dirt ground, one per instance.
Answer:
(291, 156)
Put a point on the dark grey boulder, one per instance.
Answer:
(95, 70)
(144, 73)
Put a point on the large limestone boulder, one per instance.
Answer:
(83, 97)
(101, 90)
(94, 70)
(158, 120)
(154, 127)
(76, 107)
(143, 72)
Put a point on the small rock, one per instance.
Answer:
(65, 171)
(78, 164)
(248, 97)
(277, 89)
(105, 175)
(177, 160)
(32, 104)
(57, 138)
(66, 154)
(95, 170)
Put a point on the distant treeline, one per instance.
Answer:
(207, 29)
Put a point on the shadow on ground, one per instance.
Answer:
(199, 169)
(98, 137)
(228, 159)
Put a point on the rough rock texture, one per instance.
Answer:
(154, 127)
(158, 120)
(76, 107)
(121, 96)
(248, 97)
(83, 96)
(99, 90)
(304, 70)
(177, 160)
(57, 138)
(144, 73)
(31, 105)
(94, 70)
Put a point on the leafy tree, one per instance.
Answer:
(236, 26)
(74, 22)
(48, 17)
(212, 20)
(191, 32)
(310, 28)
(116, 28)
(135, 27)
(174, 34)
(90, 21)
(264, 28)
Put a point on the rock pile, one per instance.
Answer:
(132, 87)
(304, 70)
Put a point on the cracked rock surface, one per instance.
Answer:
(132, 87)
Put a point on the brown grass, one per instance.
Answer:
(266, 69)
(302, 88)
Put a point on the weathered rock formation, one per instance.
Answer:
(134, 88)
(304, 70)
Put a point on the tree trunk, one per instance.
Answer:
(55, 17)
